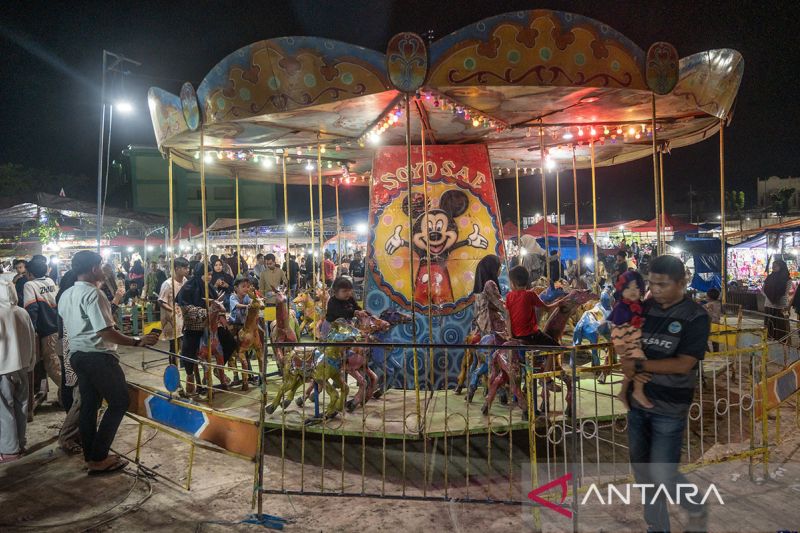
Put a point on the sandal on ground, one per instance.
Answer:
(9, 457)
(71, 448)
(113, 466)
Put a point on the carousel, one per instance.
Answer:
(428, 128)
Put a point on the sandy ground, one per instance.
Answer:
(49, 491)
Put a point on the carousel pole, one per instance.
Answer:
(173, 358)
(661, 188)
(411, 259)
(430, 313)
(544, 203)
(209, 373)
(321, 223)
(723, 257)
(311, 211)
(238, 241)
(575, 200)
(338, 224)
(659, 220)
(286, 222)
(519, 221)
(594, 213)
(558, 221)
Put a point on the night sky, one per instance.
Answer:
(51, 54)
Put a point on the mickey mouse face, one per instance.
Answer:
(441, 232)
(436, 230)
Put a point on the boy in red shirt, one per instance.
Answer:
(521, 303)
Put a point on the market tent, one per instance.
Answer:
(222, 224)
(672, 224)
(568, 252)
(16, 210)
(622, 225)
(537, 230)
(349, 236)
(787, 225)
(124, 240)
(187, 231)
(706, 254)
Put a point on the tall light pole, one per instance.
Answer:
(117, 61)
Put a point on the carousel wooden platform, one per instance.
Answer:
(395, 414)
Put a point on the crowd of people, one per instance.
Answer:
(66, 334)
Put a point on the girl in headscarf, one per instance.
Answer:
(489, 308)
(222, 281)
(489, 313)
(192, 301)
(776, 288)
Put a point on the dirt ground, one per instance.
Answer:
(50, 491)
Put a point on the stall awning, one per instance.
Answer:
(537, 230)
(510, 230)
(222, 224)
(670, 224)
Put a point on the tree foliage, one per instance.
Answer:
(18, 180)
(780, 200)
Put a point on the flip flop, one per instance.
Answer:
(116, 466)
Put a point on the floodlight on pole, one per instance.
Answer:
(123, 106)
(118, 60)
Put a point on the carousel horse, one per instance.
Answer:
(506, 365)
(554, 327)
(308, 307)
(468, 361)
(591, 327)
(209, 343)
(378, 359)
(321, 297)
(481, 363)
(329, 365)
(282, 329)
(250, 340)
(299, 370)
(358, 359)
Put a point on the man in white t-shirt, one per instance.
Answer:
(171, 315)
(93, 341)
(17, 357)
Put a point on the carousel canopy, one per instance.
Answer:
(511, 81)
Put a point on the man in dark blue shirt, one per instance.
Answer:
(674, 340)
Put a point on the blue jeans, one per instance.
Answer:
(654, 443)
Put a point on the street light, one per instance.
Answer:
(124, 107)
(118, 60)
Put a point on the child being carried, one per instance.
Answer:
(626, 329)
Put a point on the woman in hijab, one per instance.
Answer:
(192, 301)
(137, 273)
(489, 313)
(776, 288)
(222, 281)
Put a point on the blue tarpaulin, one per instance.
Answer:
(706, 254)
(567, 247)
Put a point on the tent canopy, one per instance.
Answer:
(187, 230)
(29, 208)
(510, 230)
(537, 230)
(672, 224)
(489, 82)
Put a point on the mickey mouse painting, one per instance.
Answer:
(435, 231)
